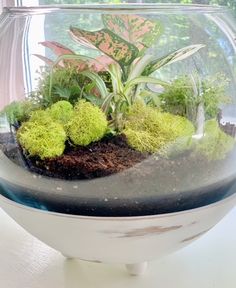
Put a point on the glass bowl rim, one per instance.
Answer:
(156, 8)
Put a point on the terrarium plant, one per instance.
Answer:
(91, 117)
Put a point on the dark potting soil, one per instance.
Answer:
(113, 155)
(99, 159)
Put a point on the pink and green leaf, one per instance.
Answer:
(82, 41)
(133, 28)
(101, 63)
(110, 44)
(57, 48)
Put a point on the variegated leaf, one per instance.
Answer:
(133, 28)
(82, 41)
(178, 55)
(110, 44)
(101, 63)
(98, 82)
(143, 79)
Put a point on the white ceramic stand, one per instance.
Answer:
(133, 269)
(136, 269)
(101, 239)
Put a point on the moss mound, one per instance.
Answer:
(87, 124)
(61, 111)
(45, 141)
(149, 130)
(215, 144)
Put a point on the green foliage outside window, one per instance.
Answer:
(230, 3)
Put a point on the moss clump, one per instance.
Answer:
(44, 141)
(143, 141)
(41, 136)
(87, 124)
(41, 117)
(61, 111)
(149, 130)
(215, 144)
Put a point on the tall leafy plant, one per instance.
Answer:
(123, 44)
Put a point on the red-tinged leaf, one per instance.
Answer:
(101, 63)
(81, 66)
(48, 61)
(133, 28)
(44, 59)
(110, 44)
(57, 48)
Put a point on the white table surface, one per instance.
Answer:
(210, 262)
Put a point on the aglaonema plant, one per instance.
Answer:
(123, 44)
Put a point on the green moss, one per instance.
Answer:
(143, 141)
(41, 117)
(61, 111)
(215, 144)
(18, 112)
(180, 99)
(42, 140)
(149, 130)
(88, 124)
(41, 136)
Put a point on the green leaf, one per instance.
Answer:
(116, 76)
(98, 81)
(63, 92)
(178, 55)
(109, 43)
(83, 60)
(151, 97)
(133, 28)
(93, 99)
(137, 67)
(107, 103)
(143, 79)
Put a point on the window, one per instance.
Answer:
(4, 3)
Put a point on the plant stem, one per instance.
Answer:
(200, 120)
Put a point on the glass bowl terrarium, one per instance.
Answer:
(117, 112)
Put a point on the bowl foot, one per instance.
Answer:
(136, 269)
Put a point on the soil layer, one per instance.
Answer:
(99, 159)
